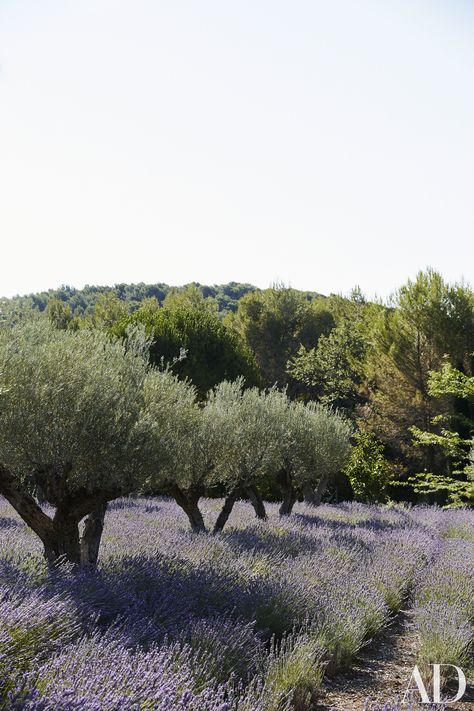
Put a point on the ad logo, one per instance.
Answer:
(420, 687)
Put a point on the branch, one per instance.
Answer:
(25, 505)
(82, 503)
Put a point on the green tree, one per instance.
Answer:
(368, 470)
(212, 352)
(189, 442)
(274, 323)
(190, 297)
(70, 424)
(332, 373)
(428, 320)
(108, 310)
(251, 432)
(458, 480)
(59, 313)
(314, 445)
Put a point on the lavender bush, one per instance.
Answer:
(250, 619)
(444, 601)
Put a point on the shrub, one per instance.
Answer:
(368, 470)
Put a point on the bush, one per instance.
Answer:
(368, 470)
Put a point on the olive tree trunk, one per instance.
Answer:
(91, 536)
(188, 501)
(285, 482)
(60, 534)
(25, 505)
(256, 501)
(226, 510)
(65, 541)
(321, 489)
(314, 497)
(309, 495)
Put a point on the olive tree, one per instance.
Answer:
(326, 453)
(71, 424)
(250, 430)
(188, 442)
(297, 450)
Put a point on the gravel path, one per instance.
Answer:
(380, 674)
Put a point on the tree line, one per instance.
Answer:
(85, 419)
(82, 302)
(395, 378)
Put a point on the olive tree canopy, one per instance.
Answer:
(330, 435)
(313, 444)
(251, 431)
(71, 425)
(186, 442)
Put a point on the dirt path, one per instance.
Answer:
(380, 674)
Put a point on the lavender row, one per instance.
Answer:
(443, 611)
(250, 619)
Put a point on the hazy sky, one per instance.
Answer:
(324, 143)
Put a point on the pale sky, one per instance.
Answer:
(323, 143)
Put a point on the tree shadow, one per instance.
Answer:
(373, 524)
(124, 504)
(8, 522)
(147, 599)
(294, 544)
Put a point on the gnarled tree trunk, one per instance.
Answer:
(26, 506)
(223, 517)
(313, 497)
(309, 495)
(91, 536)
(256, 501)
(60, 534)
(288, 491)
(188, 501)
(320, 489)
(65, 540)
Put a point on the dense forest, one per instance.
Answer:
(400, 373)
(83, 301)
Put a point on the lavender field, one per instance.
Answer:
(253, 619)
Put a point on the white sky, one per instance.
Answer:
(325, 143)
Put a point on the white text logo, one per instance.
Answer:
(420, 687)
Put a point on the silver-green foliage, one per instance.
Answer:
(314, 442)
(250, 430)
(88, 413)
(185, 438)
(69, 405)
(331, 433)
(265, 432)
(83, 420)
